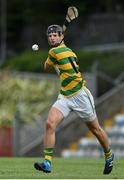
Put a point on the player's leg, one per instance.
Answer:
(103, 139)
(99, 133)
(54, 119)
(85, 108)
(56, 114)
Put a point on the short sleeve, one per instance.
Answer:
(51, 60)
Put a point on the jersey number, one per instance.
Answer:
(72, 63)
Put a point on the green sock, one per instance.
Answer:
(108, 153)
(48, 154)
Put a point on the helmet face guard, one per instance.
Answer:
(54, 29)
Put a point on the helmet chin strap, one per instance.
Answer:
(61, 41)
(57, 44)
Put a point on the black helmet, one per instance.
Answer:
(54, 29)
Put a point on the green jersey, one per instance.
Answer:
(67, 63)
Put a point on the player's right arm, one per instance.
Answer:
(51, 61)
(47, 64)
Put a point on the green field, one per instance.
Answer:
(75, 168)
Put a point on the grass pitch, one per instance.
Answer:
(72, 168)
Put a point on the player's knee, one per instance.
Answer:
(96, 131)
(50, 125)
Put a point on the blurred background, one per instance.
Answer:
(27, 92)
